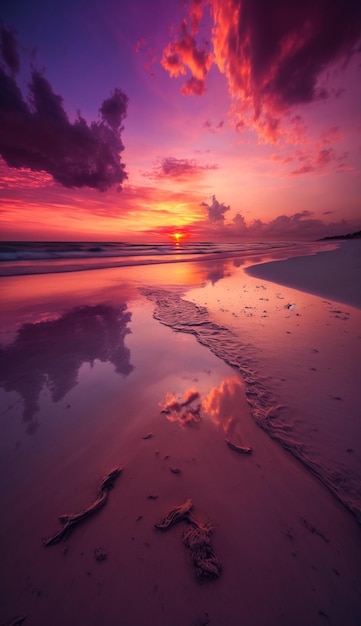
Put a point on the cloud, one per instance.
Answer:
(9, 51)
(211, 128)
(184, 412)
(272, 53)
(179, 169)
(216, 210)
(329, 136)
(302, 225)
(35, 132)
(224, 405)
(184, 54)
(319, 160)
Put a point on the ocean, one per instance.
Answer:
(19, 258)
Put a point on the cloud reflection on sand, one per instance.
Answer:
(223, 406)
(50, 353)
(185, 411)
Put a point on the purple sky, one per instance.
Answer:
(220, 119)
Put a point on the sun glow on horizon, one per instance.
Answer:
(178, 237)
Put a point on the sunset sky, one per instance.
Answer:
(233, 119)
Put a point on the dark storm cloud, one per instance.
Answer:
(36, 133)
(272, 53)
(287, 44)
(9, 50)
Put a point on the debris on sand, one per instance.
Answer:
(100, 554)
(197, 538)
(69, 521)
(177, 514)
(198, 541)
(242, 449)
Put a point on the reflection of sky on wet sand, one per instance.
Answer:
(307, 354)
(77, 370)
(66, 339)
(224, 405)
(50, 353)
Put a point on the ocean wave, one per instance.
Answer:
(18, 258)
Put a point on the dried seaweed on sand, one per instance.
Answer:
(177, 514)
(69, 521)
(204, 560)
(197, 538)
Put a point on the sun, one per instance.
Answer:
(177, 237)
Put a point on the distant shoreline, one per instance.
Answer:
(355, 235)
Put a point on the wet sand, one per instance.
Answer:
(92, 382)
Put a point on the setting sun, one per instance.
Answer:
(177, 237)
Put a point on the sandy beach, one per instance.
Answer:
(155, 371)
(335, 274)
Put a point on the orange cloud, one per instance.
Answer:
(225, 404)
(185, 412)
(272, 54)
(184, 54)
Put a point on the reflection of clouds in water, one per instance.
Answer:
(216, 271)
(223, 405)
(51, 353)
(182, 411)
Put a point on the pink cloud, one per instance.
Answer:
(180, 169)
(185, 412)
(272, 54)
(320, 160)
(184, 54)
(330, 136)
(213, 128)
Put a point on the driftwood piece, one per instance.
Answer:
(242, 449)
(69, 521)
(197, 538)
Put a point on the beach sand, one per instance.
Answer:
(92, 381)
(334, 274)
